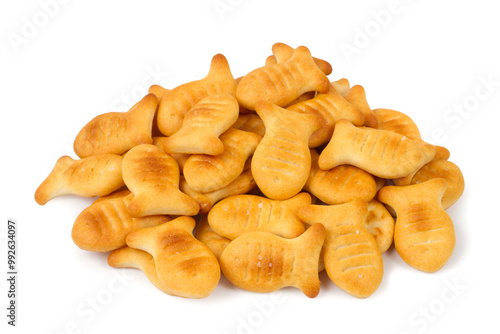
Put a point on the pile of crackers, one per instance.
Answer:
(270, 178)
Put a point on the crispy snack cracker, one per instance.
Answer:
(104, 225)
(184, 265)
(117, 132)
(207, 173)
(241, 185)
(97, 175)
(330, 107)
(382, 153)
(282, 161)
(202, 126)
(282, 83)
(153, 176)
(264, 262)
(181, 99)
(424, 235)
(215, 242)
(340, 184)
(352, 257)
(283, 53)
(448, 171)
(240, 214)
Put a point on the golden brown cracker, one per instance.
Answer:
(181, 99)
(382, 153)
(202, 126)
(96, 175)
(264, 262)
(448, 171)
(330, 107)
(356, 96)
(215, 242)
(184, 264)
(153, 176)
(241, 185)
(340, 184)
(127, 257)
(282, 161)
(282, 83)
(117, 132)
(103, 225)
(424, 235)
(236, 215)
(283, 53)
(207, 173)
(380, 224)
(352, 257)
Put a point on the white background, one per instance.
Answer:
(428, 59)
